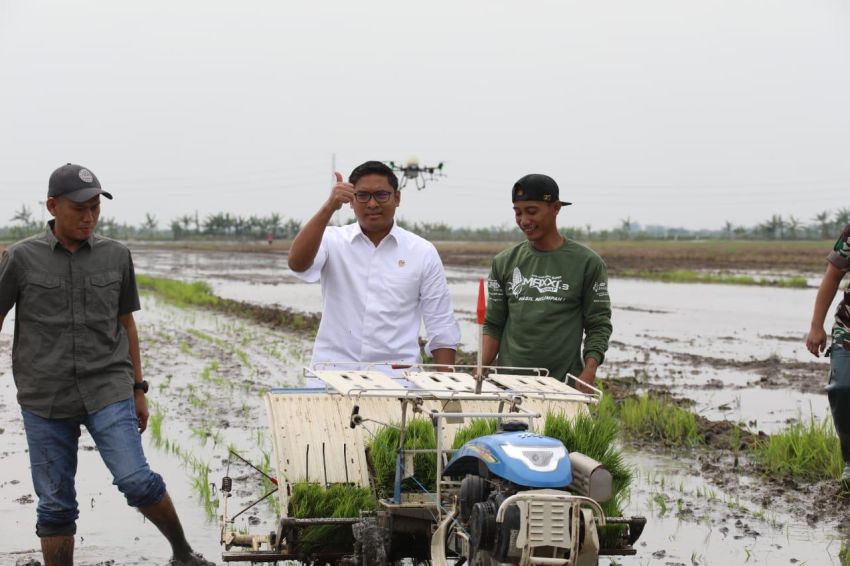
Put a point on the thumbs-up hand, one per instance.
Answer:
(341, 193)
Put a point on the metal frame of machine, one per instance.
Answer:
(318, 435)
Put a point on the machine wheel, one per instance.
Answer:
(473, 489)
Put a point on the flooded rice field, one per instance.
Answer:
(735, 352)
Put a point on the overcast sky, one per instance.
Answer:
(676, 112)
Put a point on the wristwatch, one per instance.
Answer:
(141, 386)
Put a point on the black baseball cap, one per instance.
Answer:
(536, 187)
(75, 182)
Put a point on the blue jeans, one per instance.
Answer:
(838, 392)
(53, 459)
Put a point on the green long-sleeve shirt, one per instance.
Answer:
(541, 304)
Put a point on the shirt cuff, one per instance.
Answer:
(310, 275)
(598, 356)
(838, 260)
(494, 331)
(448, 337)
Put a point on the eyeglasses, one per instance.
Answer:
(379, 196)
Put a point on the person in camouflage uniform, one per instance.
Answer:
(838, 388)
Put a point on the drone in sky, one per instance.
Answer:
(419, 173)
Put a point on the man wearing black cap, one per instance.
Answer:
(547, 294)
(76, 361)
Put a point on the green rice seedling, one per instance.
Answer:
(200, 335)
(310, 500)
(155, 426)
(195, 401)
(595, 436)
(805, 450)
(651, 418)
(684, 276)
(474, 429)
(205, 431)
(265, 466)
(419, 435)
(844, 554)
(243, 357)
(178, 293)
(661, 502)
(201, 482)
(606, 408)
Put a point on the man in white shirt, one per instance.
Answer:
(379, 281)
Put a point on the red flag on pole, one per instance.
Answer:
(482, 302)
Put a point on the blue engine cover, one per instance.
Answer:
(524, 458)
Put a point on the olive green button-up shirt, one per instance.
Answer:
(70, 355)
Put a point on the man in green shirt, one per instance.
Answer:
(547, 293)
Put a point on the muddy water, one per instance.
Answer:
(692, 521)
(727, 348)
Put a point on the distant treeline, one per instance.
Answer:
(224, 225)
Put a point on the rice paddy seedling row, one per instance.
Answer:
(223, 345)
(200, 294)
(650, 418)
(200, 472)
(155, 424)
(474, 429)
(382, 450)
(592, 436)
(807, 451)
(595, 436)
(337, 501)
(684, 276)
(197, 293)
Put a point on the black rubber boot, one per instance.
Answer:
(839, 405)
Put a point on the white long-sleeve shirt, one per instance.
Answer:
(374, 298)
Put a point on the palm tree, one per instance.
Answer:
(727, 229)
(825, 225)
(793, 227)
(26, 223)
(177, 229)
(273, 224)
(775, 227)
(108, 226)
(291, 228)
(842, 218)
(626, 227)
(150, 224)
(24, 216)
(185, 221)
